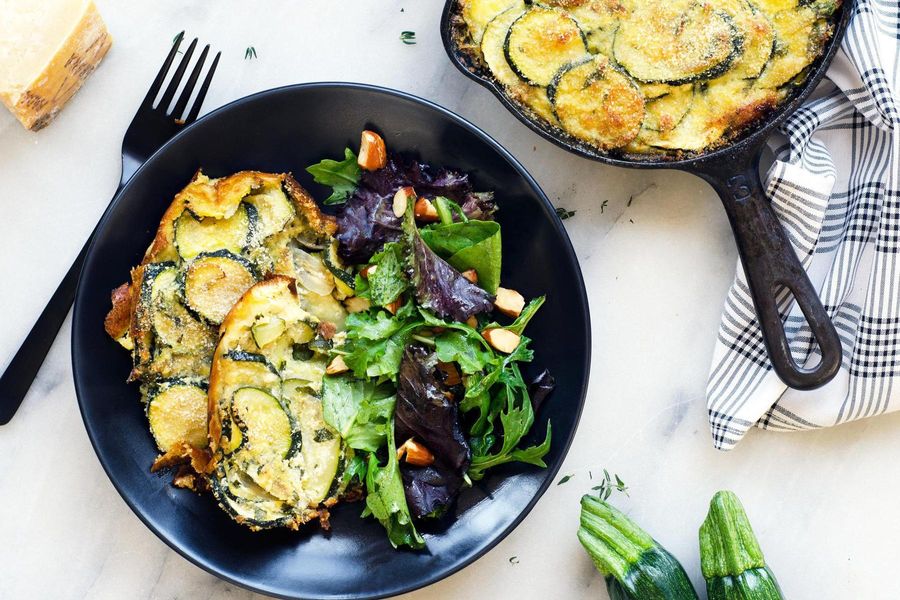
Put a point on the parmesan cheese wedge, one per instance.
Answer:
(47, 49)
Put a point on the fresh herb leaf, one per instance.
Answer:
(518, 326)
(342, 176)
(389, 279)
(564, 214)
(250, 53)
(408, 37)
(355, 470)
(469, 245)
(359, 410)
(564, 479)
(386, 500)
(608, 486)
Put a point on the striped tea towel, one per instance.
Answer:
(835, 186)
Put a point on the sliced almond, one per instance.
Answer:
(502, 340)
(367, 271)
(394, 306)
(471, 275)
(402, 198)
(372, 153)
(337, 366)
(415, 453)
(451, 373)
(355, 304)
(472, 322)
(425, 210)
(509, 302)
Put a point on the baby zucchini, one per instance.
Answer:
(541, 41)
(596, 102)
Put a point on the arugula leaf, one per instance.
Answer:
(342, 176)
(389, 279)
(516, 419)
(359, 410)
(386, 499)
(518, 326)
(376, 339)
(469, 245)
(356, 469)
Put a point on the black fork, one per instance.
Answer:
(149, 130)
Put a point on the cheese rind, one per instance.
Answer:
(36, 98)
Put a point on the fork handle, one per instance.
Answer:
(24, 366)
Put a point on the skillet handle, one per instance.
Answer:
(770, 261)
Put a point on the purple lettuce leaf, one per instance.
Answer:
(366, 221)
(439, 287)
(541, 387)
(424, 412)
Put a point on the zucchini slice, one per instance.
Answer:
(541, 41)
(173, 324)
(596, 102)
(664, 113)
(478, 13)
(193, 236)
(321, 448)
(800, 37)
(263, 422)
(758, 36)
(213, 282)
(344, 278)
(177, 413)
(274, 211)
(267, 330)
(492, 43)
(676, 41)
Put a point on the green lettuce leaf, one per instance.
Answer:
(341, 176)
(469, 245)
(389, 279)
(386, 499)
(360, 411)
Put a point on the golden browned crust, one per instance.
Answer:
(307, 207)
(118, 319)
(199, 459)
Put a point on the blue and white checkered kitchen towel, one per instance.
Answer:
(835, 186)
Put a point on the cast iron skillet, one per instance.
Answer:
(733, 171)
(287, 129)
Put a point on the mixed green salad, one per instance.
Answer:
(425, 384)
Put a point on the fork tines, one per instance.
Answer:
(165, 101)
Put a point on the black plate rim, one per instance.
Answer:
(549, 211)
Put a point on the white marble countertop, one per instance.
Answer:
(657, 268)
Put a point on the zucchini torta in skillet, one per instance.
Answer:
(648, 76)
(222, 247)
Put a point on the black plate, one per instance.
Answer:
(284, 130)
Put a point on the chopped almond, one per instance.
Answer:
(355, 304)
(425, 211)
(367, 271)
(326, 329)
(438, 330)
(402, 198)
(372, 153)
(415, 453)
(471, 275)
(502, 340)
(472, 322)
(394, 306)
(337, 366)
(451, 373)
(509, 302)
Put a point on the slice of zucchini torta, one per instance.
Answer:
(275, 461)
(216, 240)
